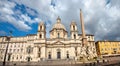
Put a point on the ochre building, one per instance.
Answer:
(108, 48)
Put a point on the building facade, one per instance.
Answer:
(36, 47)
(108, 48)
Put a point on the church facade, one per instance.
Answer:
(36, 47)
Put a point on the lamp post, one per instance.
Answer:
(7, 39)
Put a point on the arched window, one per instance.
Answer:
(74, 36)
(41, 27)
(67, 55)
(40, 36)
(73, 27)
(75, 51)
(58, 35)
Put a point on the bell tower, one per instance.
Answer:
(41, 31)
(73, 30)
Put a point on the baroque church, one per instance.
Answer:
(36, 47)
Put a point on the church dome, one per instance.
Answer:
(58, 25)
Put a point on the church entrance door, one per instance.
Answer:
(58, 55)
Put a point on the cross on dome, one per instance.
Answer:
(58, 20)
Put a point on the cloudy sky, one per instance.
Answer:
(102, 17)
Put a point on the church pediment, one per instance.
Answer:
(58, 43)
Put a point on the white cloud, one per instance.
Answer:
(17, 23)
(28, 19)
(101, 18)
(7, 12)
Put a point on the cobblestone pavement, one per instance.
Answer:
(60, 64)
(114, 61)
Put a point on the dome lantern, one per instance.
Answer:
(58, 20)
(58, 24)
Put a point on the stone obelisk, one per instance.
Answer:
(86, 52)
(84, 39)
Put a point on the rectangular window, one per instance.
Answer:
(11, 46)
(18, 50)
(17, 57)
(102, 49)
(39, 49)
(3, 50)
(38, 54)
(22, 45)
(13, 57)
(14, 50)
(21, 50)
(10, 50)
(1, 58)
(3, 46)
(105, 49)
(20, 57)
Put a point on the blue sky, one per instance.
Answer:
(20, 14)
(6, 26)
(102, 17)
